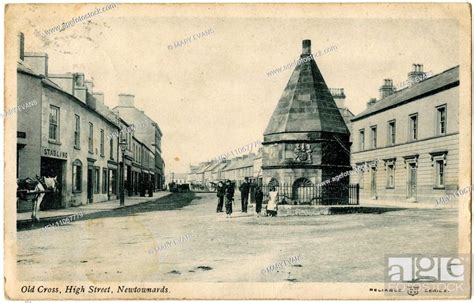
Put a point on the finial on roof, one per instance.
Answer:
(306, 47)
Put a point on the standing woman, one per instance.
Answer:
(272, 205)
(229, 197)
(258, 200)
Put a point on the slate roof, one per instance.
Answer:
(306, 104)
(423, 88)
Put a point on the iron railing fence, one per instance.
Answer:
(328, 194)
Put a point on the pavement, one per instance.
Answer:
(56, 214)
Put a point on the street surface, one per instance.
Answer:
(130, 244)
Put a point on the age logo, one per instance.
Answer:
(425, 269)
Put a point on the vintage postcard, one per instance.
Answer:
(237, 151)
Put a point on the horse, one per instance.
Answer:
(35, 190)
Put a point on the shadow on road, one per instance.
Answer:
(170, 202)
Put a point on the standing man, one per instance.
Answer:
(220, 196)
(229, 197)
(244, 193)
(258, 200)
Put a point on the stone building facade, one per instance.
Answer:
(306, 141)
(147, 131)
(410, 139)
(69, 133)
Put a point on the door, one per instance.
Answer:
(90, 185)
(52, 168)
(373, 182)
(411, 181)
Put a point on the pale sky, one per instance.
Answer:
(213, 95)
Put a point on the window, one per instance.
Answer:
(96, 180)
(441, 119)
(102, 138)
(438, 159)
(54, 123)
(362, 139)
(113, 181)
(77, 132)
(414, 127)
(439, 182)
(111, 148)
(373, 131)
(77, 176)
(104, 180)
(391, 133)
(390, 175)
(91, 137)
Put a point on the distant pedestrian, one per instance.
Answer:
(258, 200)
(272, 205)
(220, 196)
(244, 192)
(229, 197)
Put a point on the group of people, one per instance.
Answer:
(225, 196)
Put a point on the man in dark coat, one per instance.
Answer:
(244, 192)
(220, 196)
(258, 200)
(229, 197)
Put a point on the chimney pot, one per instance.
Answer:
(416, 75)
(306, 47)
(387, 88)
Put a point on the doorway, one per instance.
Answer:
(411, 183)
(90, 185)
(51, 167)
(373, 182)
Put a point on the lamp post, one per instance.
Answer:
(123, 148)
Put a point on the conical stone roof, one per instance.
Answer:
(306, 105)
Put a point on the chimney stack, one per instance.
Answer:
(21, 46)
(126, 100)
(387, 88)
(416, 75)
(90, 85)
(99, 96)
(306, 47)
(37, 61)
(371, 102)
(339, 97)
(80, 90)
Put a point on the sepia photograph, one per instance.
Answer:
(237, 151)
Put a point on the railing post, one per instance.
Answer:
(357, 190)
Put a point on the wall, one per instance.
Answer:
(428, 142)
(28, 121)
